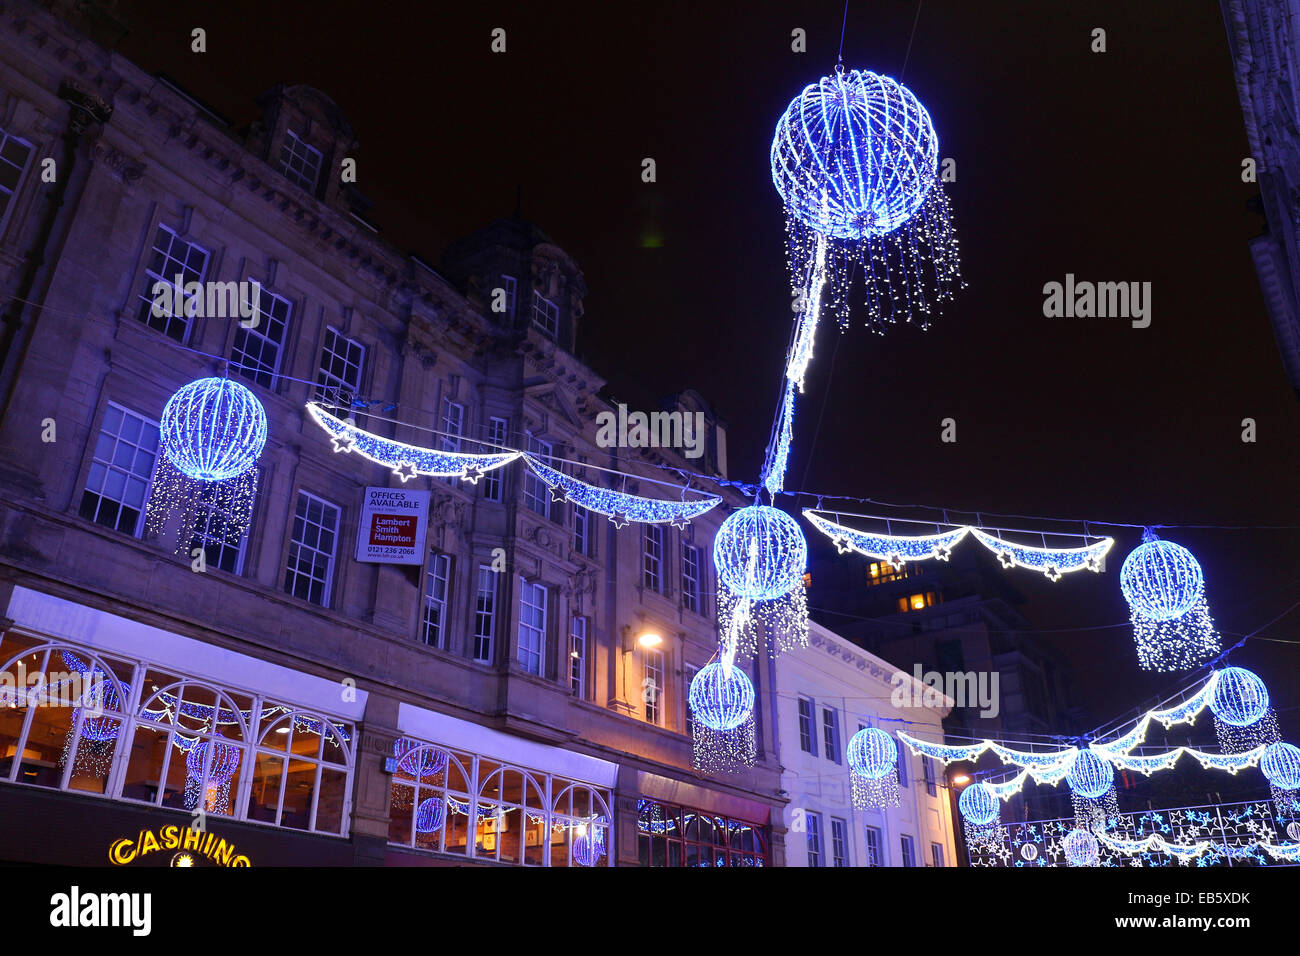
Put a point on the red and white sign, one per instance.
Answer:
(393, 526)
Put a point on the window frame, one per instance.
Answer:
(531, 590)
(327, 587)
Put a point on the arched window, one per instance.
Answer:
(511, 823)
(301, 776)
(188, 749)
(580, 827)
(431, 797)
(61, 715)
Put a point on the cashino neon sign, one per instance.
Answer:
(187, 845)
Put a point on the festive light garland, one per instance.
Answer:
(406, 461)
(899, 549)
(619, 506)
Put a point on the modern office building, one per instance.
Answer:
(517, 697)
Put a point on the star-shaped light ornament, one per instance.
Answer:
(342, 443)
(619, 519)
(680, 522)
(558, 493)
(1093, 563)
(896, 561)
(472, 474)
(1006, 559)
(1053, 573)
(842, 544)
(942, 552)
(405, 471)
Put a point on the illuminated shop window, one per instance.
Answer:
(881, 572)
(918, 602)
(671, 835)
(189, 745)
(467, 805)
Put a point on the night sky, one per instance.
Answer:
(1122, 166)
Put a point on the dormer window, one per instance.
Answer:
(299, 162)
(546, 315)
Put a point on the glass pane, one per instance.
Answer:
(300, 783)
(144, 767)
(401, 813)
(430, 818)
(44, 753)
(329, 806)
(265, 795)
(457, 825)
(96, 743)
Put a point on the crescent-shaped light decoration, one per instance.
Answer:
(1145, 764)
(405, 460)
(1024, 758)
(895, 549)
(1122, 745)
(944, 752)
(1008, 788)
(1229, 762)
(620, 507)
(1053, 562)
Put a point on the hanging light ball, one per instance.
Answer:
(1240, 697)
(872, 753)
(213, 429)
(1090, 776)
(760, 552)
(1161, 580)
(225, 761)
(1281, 765)
(720, 700)
(427, 763)
(978, 804)
(588, 843)
(430, 814)
(854, 155)
(1081, 848)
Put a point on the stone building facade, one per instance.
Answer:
(492, 705)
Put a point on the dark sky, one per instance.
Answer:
(1122, 166)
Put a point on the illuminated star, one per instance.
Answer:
(680, 522)
(559, 493)
(1052, 573)
(896, 561)
(472, 474)
(1006, 559)
(942, 552)
(342, 443)
(619, 518)
(842, 544)
(405, 471)
(1092, 563)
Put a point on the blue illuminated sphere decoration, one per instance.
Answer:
(589, 846)
(225, 761)
(1281, 765)
(760, 552)
(872, 753)
(721, 701)
(1161, 580)
(1240, 697)
(1091, 776)
(855, 155)
(213, 429)
(978, 804)
(430, 814)
(428, 762)
(1081, 848)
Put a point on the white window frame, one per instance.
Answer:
(907, 845)
(578, 656)
(875, 845)
(652, 558)
(531, 651)
(306, 156)
(537, 494)
(807, 724)
(546, 315)
(485, 614)
(330, 386)
(241, 357)
(813, 824)
(437, 576)
(653, 670)
(108, 466)
(840, 842)
(452, 424)
(295, 545)
(171, 319)
(11, 195)
(497, 434)
(831, 733)
(692, 591)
